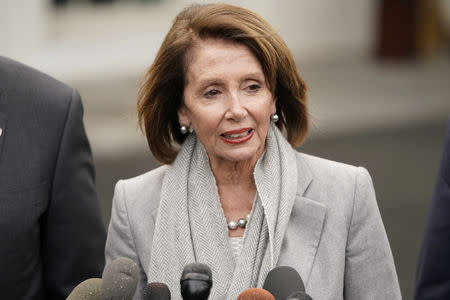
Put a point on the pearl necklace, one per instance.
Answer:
(242, 223)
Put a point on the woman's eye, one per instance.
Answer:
(254, 87)
(212, 93)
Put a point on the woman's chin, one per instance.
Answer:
(242, 155)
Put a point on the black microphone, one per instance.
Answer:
(299, 296)
(283, 282)
(90, 289)
(196, 282)
(156, 291)
(120, 279)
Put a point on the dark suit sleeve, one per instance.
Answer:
(73, 232)
(433, 273)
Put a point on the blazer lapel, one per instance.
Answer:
(153, 217)
(2, 133)
(304, 229)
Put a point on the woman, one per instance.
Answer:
(223, 86)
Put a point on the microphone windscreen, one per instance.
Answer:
(156, 291)
(90, 289)
(283, 281)
(299, 296)
(196, 268)
(196, 282)
(120, 279)
(255, 294)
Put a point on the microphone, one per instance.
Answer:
(299, 296)
(196, 282)
(90, 289)
(120, 279)
(255, 294)
(284, 282)
(156, 291)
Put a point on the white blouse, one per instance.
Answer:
(236, 245)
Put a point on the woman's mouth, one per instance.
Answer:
(237, 136)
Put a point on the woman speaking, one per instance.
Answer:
(222, 107)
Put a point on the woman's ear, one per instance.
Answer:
(183, 117)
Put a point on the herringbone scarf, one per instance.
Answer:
(191, 226)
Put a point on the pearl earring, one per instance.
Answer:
(184, 129)
(274, 118)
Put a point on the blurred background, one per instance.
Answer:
(378, 73)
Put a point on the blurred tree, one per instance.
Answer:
(60, 2)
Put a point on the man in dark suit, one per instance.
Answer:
(433, 273)
(51, 233)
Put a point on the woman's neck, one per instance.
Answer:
(236, 187)
(233, 173)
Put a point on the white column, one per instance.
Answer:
(23, 27)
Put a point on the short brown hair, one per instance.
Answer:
(161, 93)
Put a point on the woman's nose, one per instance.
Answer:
(235, 110)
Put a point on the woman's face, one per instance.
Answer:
(227, 100)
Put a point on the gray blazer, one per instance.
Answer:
(335, 238)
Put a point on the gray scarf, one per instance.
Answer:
(191, 226)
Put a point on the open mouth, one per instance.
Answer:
(237, 136)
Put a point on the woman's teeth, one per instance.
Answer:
(237, 135)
